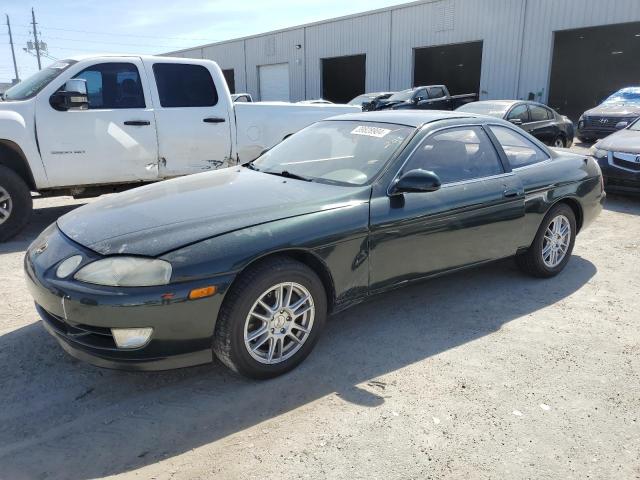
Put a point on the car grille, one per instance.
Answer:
(628, 161)
(96, 337)
(606, 123)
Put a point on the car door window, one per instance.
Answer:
(519, 150)
(457, 154)
(436, 92)
(538, 114)
(519, 112)
(113, 85)
(184, 85)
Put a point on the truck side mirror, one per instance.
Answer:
(72, 96)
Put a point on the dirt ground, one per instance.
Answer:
(481, 374)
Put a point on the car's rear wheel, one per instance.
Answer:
(271, 318)
(551, 249)
(16, 204)
(558, 142)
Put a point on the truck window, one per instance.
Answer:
(113, 85)
(436, 92)
(183, 85)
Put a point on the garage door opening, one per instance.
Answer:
(343, 78)
(274, 82)
(589, 64)
(457, 66)
(230, 77)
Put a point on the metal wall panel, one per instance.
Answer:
(495, 22)
(367, 34)
(517, 40)
(543, 17)
(229, 55)
(279, 47)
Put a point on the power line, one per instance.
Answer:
(125, 34)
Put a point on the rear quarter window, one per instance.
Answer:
(520, 151)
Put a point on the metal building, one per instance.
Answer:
(567, 53)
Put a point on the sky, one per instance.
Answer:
(71, 27)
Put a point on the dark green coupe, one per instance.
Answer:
(247, 262)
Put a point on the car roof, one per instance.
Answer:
(410, 118)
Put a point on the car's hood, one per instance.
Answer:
(614, 110)
(384, 104)
(622, 141)
(157, 218)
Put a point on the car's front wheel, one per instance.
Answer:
(553, 244)
(271, 318)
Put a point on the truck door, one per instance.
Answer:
(192, 114)
(113, 141)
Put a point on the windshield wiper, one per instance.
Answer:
(287, 174)
(251, 166)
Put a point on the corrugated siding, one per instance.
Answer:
(277, 48)
(517, 38)
(229, 55)
(495, 22)
(543, 17)
(367, 34)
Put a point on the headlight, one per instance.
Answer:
(126, 272)
(67, 267)
(599, 153)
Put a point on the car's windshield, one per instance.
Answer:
(362, 98)
(338, 152)
(625, 96)
(402, 96)
(36, 82)
(494, 109)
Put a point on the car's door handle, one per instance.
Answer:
(511, 192)
(213, 120)
(137, 123)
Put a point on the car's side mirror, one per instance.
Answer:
(72, 96)
(516, 121)
(621, 125)
(418, 99)
(417, 180)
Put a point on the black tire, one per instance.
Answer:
(559, 139)
(19, 203)
(228, 340)
(531, 261)
(586, 139)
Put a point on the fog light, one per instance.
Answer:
(131, 337)
(67, 267)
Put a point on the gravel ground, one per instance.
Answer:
(481, 374)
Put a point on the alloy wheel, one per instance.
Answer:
(6, 205)
(555, 243)
(558, 143)
(279, 323)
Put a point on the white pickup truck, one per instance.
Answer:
(91, 125)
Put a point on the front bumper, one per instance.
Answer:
(80, 316)
(617, 179)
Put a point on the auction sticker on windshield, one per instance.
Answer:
(370, 131)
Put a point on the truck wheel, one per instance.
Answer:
(16, 204)
(270, 319)
(553, 244)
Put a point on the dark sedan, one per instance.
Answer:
(542, 122)
(246, 262)
(619, 159)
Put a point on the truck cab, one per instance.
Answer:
(90, 125)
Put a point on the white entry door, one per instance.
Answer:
(274, 82)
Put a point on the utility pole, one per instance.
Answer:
(13, 53)
(35, 38)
